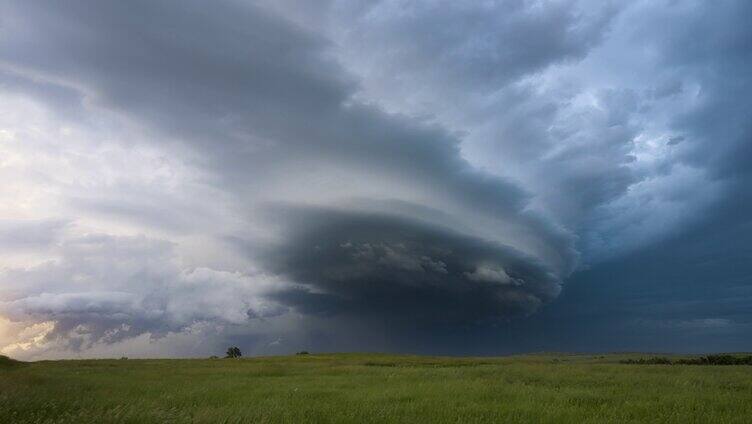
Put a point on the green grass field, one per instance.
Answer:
(363, 388)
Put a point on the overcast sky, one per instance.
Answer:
(448, 177)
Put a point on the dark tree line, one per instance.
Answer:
(702, 360)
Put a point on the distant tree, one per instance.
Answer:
(302, 352)
(233, 352)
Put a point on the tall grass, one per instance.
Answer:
(373, 388)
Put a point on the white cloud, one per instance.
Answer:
(493, 274)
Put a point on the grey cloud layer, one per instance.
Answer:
(260, 102)
(437, 163)
(585, 120)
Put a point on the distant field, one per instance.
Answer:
(363, 388)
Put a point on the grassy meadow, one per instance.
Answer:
(367, 388)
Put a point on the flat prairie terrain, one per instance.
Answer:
(367, 388)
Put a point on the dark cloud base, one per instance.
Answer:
(366, 265)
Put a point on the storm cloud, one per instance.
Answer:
(182, 176)
(362, 264)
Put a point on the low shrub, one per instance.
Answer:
(656, 360)
(8, 362)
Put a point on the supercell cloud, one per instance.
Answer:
(365, 265)
(362, 175)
